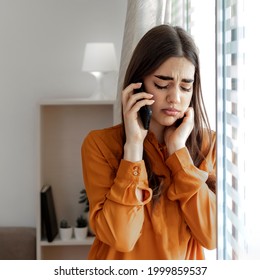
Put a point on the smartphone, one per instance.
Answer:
(145, 112)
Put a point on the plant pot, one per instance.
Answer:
(80, 233)
(66, 233)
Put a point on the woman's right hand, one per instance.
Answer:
(134, 130)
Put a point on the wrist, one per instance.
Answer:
(133, 152)
(174, 148)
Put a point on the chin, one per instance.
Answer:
(169, 121)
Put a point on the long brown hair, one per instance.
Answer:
(155, 47)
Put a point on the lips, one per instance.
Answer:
(171, 112)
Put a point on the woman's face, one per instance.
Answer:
(172, 87)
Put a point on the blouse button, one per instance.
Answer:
(136, 171)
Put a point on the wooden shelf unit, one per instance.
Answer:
(63, 125)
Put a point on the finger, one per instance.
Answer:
(190, 111)
(138, 105)
(135, 103)
(189, 114)
(132, 111)
(128, 91)
(136, 98)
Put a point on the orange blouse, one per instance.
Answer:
(178, 226)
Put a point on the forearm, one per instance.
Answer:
(199, 210)
(133, 152)
(117, 217)
(118, 225)
(197, 202)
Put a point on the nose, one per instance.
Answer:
(173, 95)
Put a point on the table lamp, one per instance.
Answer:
(99, 58)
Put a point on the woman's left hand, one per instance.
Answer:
(175, 137)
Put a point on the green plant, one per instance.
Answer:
(64, 224)
(84, 199)
(81, 222)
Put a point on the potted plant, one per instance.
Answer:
(65, 230)
(81, 228)
(84, 199)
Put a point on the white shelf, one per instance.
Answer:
(76, 101)
(72, 242)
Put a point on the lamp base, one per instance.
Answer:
(109, 84)
(98, 93)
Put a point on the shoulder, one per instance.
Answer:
(113, 132)
(111, 137)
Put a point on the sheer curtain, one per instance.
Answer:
(140, 17)
(181, 13)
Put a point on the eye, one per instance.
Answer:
(189, 89)
(160, 87)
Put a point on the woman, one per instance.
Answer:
(152, 192)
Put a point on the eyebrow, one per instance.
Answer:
(168, 78)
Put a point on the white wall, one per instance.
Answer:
(41, 52)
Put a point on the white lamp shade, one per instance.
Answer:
(99, 57)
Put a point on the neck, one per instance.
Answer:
(158, 131)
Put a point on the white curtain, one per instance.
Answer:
(140, 17)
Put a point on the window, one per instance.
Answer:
(231, 133)
(238, 184)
